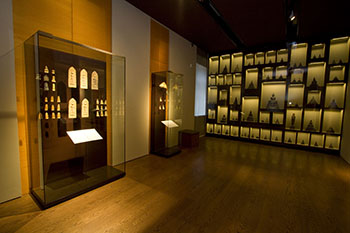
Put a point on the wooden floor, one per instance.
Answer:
(222, 186)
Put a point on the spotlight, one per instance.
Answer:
(291, 16)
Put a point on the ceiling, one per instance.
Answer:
(255, 22)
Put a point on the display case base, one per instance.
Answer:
(57, 193)
(168, 152)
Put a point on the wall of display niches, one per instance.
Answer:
(293, 96)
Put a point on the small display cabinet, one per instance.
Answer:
(167, 113)
(71, 104)
(293, 96)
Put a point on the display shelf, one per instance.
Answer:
(312, 120)
(212, 95)
(225, 64)
(281, 73)
(228, 79)
(211, 80)
(251, 79)
(270, 57)
(295, 95)
(277, 118)
(237, 78)
(234, 115)
(290, 137)
(226, 130)
(313, 99)
(332, 142)
(254, 133)
(303, 139)
(223, 96)
(276, 136)
(211, 114)
(294, 119)
(214, 65)
(236, 62)
(317, 51)
(297, 76)
(317, 140)
(244, 132)
(217, 129)
(268, 73)
(332, 121)
(264, 117)
(222, 115)
(235, 95)
(210, 128)
(250, 106)
(234, 131)
(259, 58)
(339, 50)
(265, 134)
(282, 55)
(220, 80)
(315, 75)
(336, 73)
(273, 96)
(298, 55)
(249, 59)
(335, 95)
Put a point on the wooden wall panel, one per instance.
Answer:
(83, 21)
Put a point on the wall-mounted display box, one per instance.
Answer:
(214, 65)
(70, 105)
(293, 96)
(211, 114)
(220, 80)
(210, 128)
(217, 129)
(222, 114)
(234, 131)
(225, 64)
(226, 130)
(211, 80)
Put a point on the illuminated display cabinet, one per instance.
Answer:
(68, 112)
(293, 96)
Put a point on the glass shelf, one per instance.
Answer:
(214, 65)
(236, 62)
(234, 115)
(264, 117)
(303, 139)
(211, 80)
(212, 95)
(312, 120)
(297, 76)
(267, 73)
(332, 142)
(295, 95)
(293, 119)
(237, 78)
(234, 131)
(225, 64)
(335, 95)
(336, 73)
(317, 51)
(210, 128)
(273, 96)
(276, 136)
(226, 130)
(265, 134)
(235, 95)
(339, 50)
(316, 74)
(317, 140)
(282, 55)
(249, 59)
(290, 137)
(250, 106)
(244, 132)
(270, 57)
(254, 133)
(277, 118)
(259, 58)
(222, 115)
(332, 121)
(298, 55)
(251, 79)
(211, 114)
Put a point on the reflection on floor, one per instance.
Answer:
(222, 186)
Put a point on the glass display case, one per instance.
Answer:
(268, 73)
(225, 64)
(277, 118)
(259, 58)
(290, 137)
(228, 79)
(332, 121)
(317, 51)
(312, 120)
(74, 92)
(250, 106)
(265, 134)
(339, 50)
(237, 79)
(217, 129)
(222, 114)
(212, 95)
(335, 95)
(282, 55)
(220, 80)
(245, 132)
(270, 57)
(281, 72)
(295, 95)
(298, 55)
(210, 128)
(276, 136)
(317, 140)
(226, 130)
(254, 133)
(264, 117)
(293, 119)
(234, 115)
(214, 65)
(167, 113)
(303, 139)
(234, 131)
(211, 80)
(315, 75)
(313, 99)
(297, 76)
(273, 96)
(212, 114)
(249, 59)
(236, 62)
(251, 79)
(235, 95)
(332, 142)
(336, 73)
